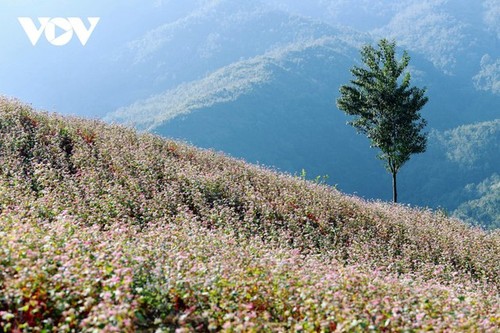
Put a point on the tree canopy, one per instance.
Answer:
(385, 107)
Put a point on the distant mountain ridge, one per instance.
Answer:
(216, 35)
(228, 83)
(271, 78)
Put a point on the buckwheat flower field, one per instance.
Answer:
(103, 229)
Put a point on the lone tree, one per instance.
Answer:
(385, 107)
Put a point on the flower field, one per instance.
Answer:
(103, 229)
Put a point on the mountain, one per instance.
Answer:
(453, 35)
(275, 105)
(215, 35)
(473, 149)
(484, 206)
(103, 228)
(259, 79)
(275, 109)
(142, 48)
(228, 84)
(278, 109)
(458, 42)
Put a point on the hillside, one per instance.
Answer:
(278, 109)
(275, 109)
(458, 173)
(258, 80)
(298, 63)
(147, 47)
(473, 149)
(104, 228)
(484, 204)
(215, 35)
(453, 35)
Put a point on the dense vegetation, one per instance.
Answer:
(484, 204)
(471, 153)
(103, 228)
(385, 107)
(258, 79)
(278, 109)
(259, 82)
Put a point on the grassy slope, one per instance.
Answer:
(104, 228)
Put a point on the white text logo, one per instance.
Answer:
(58, 31)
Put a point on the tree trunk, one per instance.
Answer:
(394, 187)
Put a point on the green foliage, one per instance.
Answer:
(452, 173)
(385, 107)
(484, 208)
(293, 95)
(472, 146)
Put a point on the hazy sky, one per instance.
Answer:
(43, 73)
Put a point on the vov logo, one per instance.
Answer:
(58, 30)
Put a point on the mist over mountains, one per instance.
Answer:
(259, 80)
